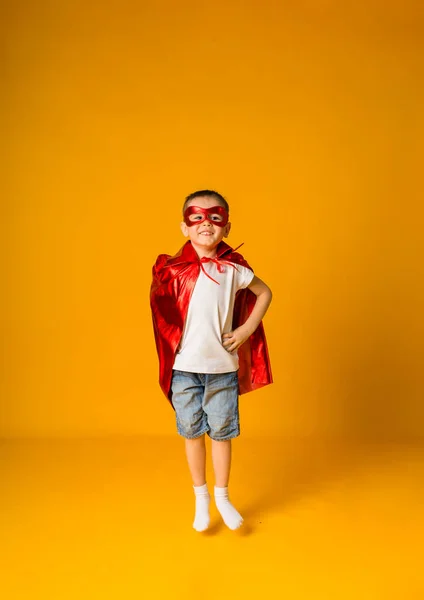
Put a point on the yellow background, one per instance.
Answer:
(307, 116)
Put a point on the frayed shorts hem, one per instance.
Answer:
(208, 432)
(224, 439)
(192, 437)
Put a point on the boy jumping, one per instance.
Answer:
(207, 309)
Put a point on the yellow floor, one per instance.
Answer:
(111, 518)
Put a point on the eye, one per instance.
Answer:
(195, 217)
(216, 217)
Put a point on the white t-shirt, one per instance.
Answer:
(209, 316)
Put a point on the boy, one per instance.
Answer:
(207, 308)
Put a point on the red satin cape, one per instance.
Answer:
(174, 278)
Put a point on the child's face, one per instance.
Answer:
(205, 235)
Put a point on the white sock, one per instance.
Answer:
(230, 515)
(202, 518)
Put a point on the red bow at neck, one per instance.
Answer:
(220, 262)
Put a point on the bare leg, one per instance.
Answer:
(221, 458)
(196, 458)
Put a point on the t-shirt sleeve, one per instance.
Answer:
(244, 277)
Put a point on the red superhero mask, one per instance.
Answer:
(217, 215)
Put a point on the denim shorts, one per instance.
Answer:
(206, 403)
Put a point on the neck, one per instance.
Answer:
(204, 252)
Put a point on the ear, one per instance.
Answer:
(184, 229)
(227, 229)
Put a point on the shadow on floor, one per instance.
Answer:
(286, 471)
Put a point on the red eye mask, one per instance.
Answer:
(194, 215)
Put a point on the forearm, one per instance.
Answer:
(263, 300)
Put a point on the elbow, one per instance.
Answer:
(269, 294)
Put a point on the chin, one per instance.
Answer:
(209, 241)
(206, 241)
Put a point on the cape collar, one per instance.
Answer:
(187, 254)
